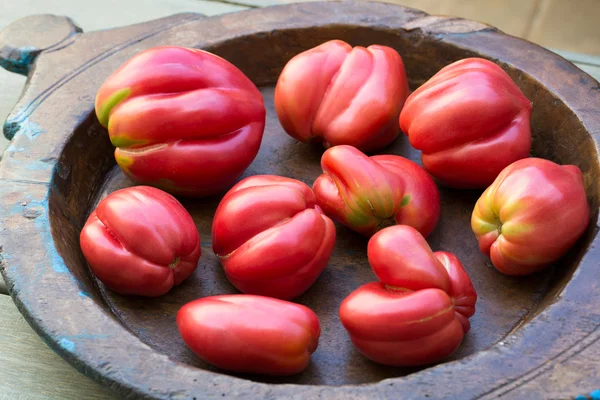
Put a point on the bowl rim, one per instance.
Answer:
(568, 325)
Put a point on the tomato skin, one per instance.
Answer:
(250, 334)
(337, 94)
(531, 215)
(183, 120)
(140, 241)
(419, 312)
(368, 193)
(470, 121)
(271, 237)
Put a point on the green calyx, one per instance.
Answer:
(391, 221)
(359, 219)
(486, 226)
(361, 216)
(405, 200)
(111, 102)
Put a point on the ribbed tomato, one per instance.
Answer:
(369, 193)
(338, 94)
(271, 237)
(181, 119)
(419, 311)
(140, 240)
(531, 215)
(470, 121)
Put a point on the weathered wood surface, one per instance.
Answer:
(30, 370)
(550, 375)
(588, 63)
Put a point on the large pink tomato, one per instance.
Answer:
(140, 240)
(531, 215)
(337, 94)
(419, 311)
(369, 193)
(271, 237)
(470, 120)
(184, 120)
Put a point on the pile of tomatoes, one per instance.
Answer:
(186, 122)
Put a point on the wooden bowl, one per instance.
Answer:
(60, 164)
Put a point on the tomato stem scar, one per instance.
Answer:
(386, 223)
(174, 263)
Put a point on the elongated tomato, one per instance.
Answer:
(251, 334)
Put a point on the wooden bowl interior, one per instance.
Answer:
(504, 303)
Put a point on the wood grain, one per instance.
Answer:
(30, 370)
(34, 369)
(575, 369)
(588, 63)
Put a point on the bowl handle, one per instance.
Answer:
(22, 41)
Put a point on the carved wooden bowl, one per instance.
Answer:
(60, 163)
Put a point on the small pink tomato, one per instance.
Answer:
(140, 240)
(367, 194)
(531, 215)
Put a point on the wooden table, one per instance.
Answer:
(28, 368)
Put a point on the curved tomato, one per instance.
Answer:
(531, 215)
(183, 120)
(336, 94)
(271, 237)
(419, 311)
(140, 240)
(470, 120)
(250, 334)
(369, 193)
